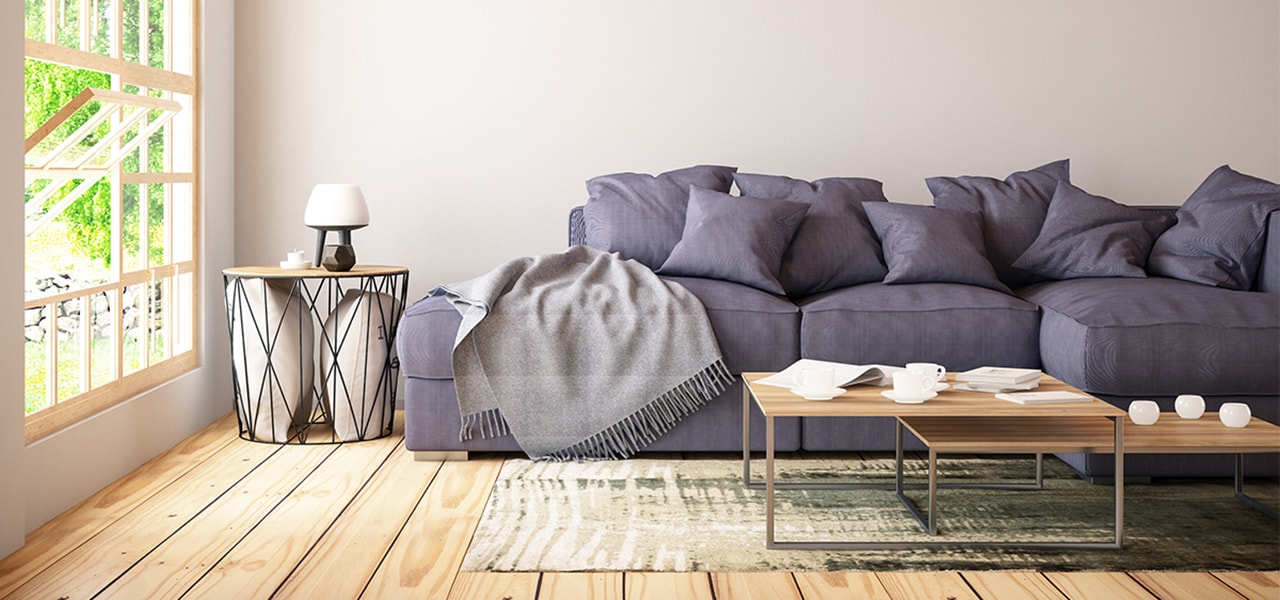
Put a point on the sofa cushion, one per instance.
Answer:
(922, 244)
(834, 246)
(958, 326)
(1220, 233)
(424, 338)
(1012, 210)
(756, 331)
(1158, 336)
(1092, 236)
(642, 216)
(740, 239)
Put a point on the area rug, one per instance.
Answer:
(695, 515)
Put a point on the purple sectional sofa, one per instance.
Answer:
(1112, 299)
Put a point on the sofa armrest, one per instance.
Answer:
(577, 227)
(1269, 270)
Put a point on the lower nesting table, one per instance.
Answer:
(313, 351)
(1104, 433)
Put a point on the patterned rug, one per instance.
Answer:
(695, 515)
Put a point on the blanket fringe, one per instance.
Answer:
(641, 428)
(490, 423)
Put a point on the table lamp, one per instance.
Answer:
(336, 207)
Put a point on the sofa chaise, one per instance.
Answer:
(1124, 302)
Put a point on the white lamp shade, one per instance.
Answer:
(336, 206)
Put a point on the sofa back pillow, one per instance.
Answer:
(1012, 211)
(1091, 236)
(735, 238)
(642, 216)
(1220, 233)
(834, 246)
(923, 244)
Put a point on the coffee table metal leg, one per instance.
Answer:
(897, 448)
(900, 486)
(1039, 470)
(769, 483)
(1247, 499)
(1119, 454)
(933, 492)
(746, 434)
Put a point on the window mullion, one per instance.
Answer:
(168, 35)
(117, 36)
(51, 355)
(86, 343)
(144, 33)
(51, 21)
(117, 224)
(85, 18)
(117, 329)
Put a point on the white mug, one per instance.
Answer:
(1144, 412)
(935, 370)
(1189, 406)
(1234, 414)
(910, 384)
(817, 379)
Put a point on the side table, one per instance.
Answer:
(313, 351)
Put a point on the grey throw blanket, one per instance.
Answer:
(580, 355)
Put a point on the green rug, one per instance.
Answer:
(695, 515)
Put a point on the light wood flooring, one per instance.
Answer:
(218, 517)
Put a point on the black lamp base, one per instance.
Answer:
(344, 239)
(338, 257)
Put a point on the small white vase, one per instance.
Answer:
(1144, 412)
(1234, 414)
(1189, 406)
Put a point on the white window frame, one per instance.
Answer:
(178, 273)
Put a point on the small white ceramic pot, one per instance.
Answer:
(1144, 412)
(1189, 406)
(1234, 414)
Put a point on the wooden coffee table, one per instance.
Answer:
(956, 407)
(1169, 435)
(1207, 435)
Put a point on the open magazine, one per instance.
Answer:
(845, 374)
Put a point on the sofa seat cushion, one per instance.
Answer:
(958, 326)
(757, 331)
(424, 338)
(1158, 336)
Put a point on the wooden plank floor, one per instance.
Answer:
(218, 517)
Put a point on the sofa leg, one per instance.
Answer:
(428, 455)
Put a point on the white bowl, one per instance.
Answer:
(1144, 412)
(1189, 406)
(1234, 414)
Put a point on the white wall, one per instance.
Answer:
(472, 125)
(12, 498)
(61, 470)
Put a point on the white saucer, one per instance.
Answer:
(902, 400)
(302, 264)
(812, 395)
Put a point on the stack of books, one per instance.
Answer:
(999, 379)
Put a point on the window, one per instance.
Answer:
(111, 203)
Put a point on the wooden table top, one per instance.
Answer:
(1016, 434)
(269, 272)
(1169, 435)
(1206, 435)
(866, 401)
